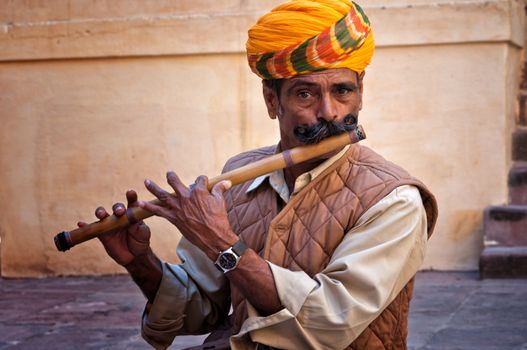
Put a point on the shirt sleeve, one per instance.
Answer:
(367, 271)
(192, 298)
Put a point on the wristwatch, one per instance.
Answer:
(229, 258)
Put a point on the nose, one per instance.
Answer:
(327, 109)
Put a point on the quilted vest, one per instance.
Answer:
(304, 234)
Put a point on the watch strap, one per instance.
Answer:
(239, 247)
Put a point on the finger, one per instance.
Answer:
(175, 182)
(140, 233)
(118, 209)
(219, 189)
(131, 197)
(81, 223)
(157, 191)
(101, 213)
(202, 183)
(154, 209)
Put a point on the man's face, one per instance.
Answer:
(307, 100)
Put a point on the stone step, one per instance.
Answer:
(506, 225)
(503, 262)
(519, 144)
(522, 98)
(518, 184)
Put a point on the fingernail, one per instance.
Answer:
(147, 182)
(141, 204)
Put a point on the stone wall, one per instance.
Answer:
(99, 94)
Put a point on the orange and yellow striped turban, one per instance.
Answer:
(305, 36)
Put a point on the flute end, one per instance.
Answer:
(360, 134)
(63, 241)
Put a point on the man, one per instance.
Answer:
(320, 255)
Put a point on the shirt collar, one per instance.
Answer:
(257, 182)
(277, 181)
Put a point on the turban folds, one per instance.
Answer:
(305, 36)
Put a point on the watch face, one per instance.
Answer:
(227, 260)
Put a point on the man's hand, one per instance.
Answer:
(200, 215)
(130, 247)
(125, 244)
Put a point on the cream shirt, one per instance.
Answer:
(371, 265)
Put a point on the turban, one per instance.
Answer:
(305, 36)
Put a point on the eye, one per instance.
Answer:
(344, 90)
(303, 94)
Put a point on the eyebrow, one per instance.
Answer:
(307, 83)
(346, 84)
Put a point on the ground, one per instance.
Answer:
(450, 310)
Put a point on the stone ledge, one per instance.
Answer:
(507, 213)
(503, 262)
(518, 176)
(518, 185)
(183, 32)
(506, 225)
(519, 144)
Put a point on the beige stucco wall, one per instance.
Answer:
(98, 95)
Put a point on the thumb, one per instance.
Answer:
(220, 188)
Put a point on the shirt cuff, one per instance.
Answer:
(293, 288)
(160, 323)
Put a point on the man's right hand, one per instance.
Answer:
(125, 244)
(130, 247)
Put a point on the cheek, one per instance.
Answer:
(354, 105)
(298, 115)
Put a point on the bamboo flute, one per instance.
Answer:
(67, 239)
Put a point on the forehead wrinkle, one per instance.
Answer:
(300, 81)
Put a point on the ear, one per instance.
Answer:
(271, 101)
(360, 78)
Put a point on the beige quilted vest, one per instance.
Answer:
(295, 237)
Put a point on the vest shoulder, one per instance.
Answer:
(248, 157)
(366, 157)
(386, 176)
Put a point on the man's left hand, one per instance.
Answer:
(200, 215)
